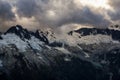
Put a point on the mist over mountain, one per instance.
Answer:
(82, 54)
(60, 40)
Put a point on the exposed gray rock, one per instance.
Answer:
(41, 61)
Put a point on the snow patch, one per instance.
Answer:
(90, 39)
(67, 59)
(17, 28)
(86, 55)
(13, 39)
(76, 38)
(20, 44)
(35, 43)
(62, 49)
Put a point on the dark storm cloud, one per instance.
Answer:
(59, 12)
(85, 16)
(6, 11)
(114, 15)
(26, 8)
(115, 4)
(56, 13)
(6, 15)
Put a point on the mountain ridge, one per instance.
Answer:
(94, 31)
(31, 58)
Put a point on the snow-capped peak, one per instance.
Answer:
(19, 31)
(23, 38)
(47, 34)
(94, 35)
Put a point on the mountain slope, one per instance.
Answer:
(27, 55)
(94, 31)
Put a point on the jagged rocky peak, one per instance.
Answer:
(41, 36)
(97, 31)
(19, 31)
(33, 60)
(94, 31)
(26, 34)
(0, 35)
(48, 33)
(14, 29)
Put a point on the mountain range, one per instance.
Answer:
(82, 54)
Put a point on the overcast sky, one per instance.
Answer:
(34, 14)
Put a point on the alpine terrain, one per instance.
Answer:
(82, 54)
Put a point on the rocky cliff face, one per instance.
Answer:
(26, 55)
